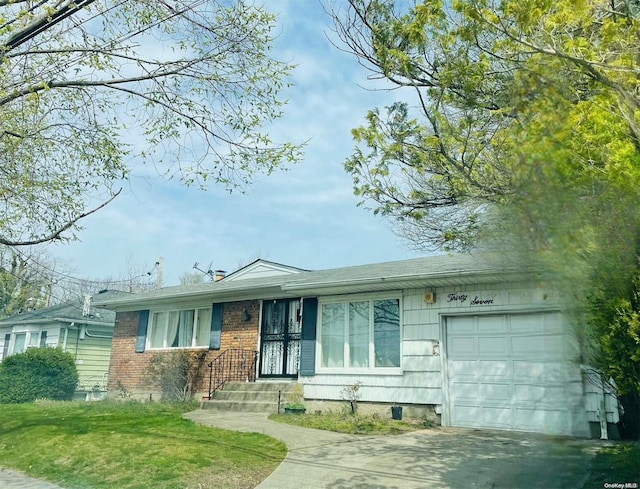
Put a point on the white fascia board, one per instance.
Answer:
(192, 299)
(408, 281)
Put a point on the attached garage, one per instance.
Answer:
(514, 372)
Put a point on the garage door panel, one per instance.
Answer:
(553, 323)
(466, 392)
(490, 393)
(463, 369)
(466, 415)
(492, 324)
(538, 371)
(463, 346)
(529, 323)
(462, 326)
(492, 346)
(497, 417)
(545, 346)
(539, 395)
(529, 393)
(495, 369)
(543, 420)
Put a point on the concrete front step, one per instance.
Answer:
(285, 386)
(252, 396)
(268, 396)
(242, 406)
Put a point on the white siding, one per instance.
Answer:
(421, 337)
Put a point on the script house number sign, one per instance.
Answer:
(462, 298)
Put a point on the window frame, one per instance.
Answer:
(152, 325)
(371, 369)
(29, 333)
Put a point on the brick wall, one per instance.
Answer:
(128, 367)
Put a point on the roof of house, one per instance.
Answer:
(262, 268)
(430, 271)
(70, 312)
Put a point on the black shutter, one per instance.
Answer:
(141, 338)
(43, 339)
(308, 342)
(5, 350)
(216, 327)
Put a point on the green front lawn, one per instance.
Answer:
(616, 464)
(130, 445)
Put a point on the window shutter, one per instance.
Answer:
(141, 338)
(43, 339)
(308, 342)
(216, 327)
(5, 349)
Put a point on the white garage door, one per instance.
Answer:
(514, 372)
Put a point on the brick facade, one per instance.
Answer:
(240, 330)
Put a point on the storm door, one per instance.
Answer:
(280, 338)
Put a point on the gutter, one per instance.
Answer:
(262, 292)
(84, 321)
(392, 280)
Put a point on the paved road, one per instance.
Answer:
(436, 458)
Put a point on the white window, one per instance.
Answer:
(360, 334)
(185, 328)
(22, 340)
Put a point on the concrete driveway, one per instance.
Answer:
(438, 458)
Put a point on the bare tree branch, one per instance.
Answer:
(57, 234)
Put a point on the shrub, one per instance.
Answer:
(38, 373)
(351, 393)
(176, 373)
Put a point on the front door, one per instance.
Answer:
(280, 338)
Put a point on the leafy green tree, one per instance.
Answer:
(90, 88)
(24, 282)
(523, 135)
(510, 96)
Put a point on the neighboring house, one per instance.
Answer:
(79, 328)
(479, 343)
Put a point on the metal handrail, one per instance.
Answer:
(232, 365)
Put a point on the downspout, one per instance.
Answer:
(66, 335)
(604, 435)
(91, 335)
(77, 343)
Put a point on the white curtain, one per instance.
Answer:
(359, 334)
(204, 327)
(19, 343)
(185, 331)
(333, 330)
(172, 328)
(158, 329)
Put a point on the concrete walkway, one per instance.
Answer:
(10, 479)
(438, 458)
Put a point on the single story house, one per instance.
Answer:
(77, 327)
(473, 339)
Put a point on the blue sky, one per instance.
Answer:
(305, 217)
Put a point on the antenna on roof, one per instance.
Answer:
(155, 265)
(208, 272)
